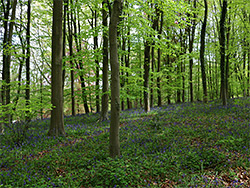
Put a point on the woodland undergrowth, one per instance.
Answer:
(179, 145)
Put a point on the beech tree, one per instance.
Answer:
(57, 121)
(222, 52)
(115, 80)
(105, 67)
(7, 44)
(191, 36)
(27, 91)
(202, 53)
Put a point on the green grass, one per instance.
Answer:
(182, 145)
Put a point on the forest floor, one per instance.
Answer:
(180, 145)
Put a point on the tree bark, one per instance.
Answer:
(159, 63)
(7, 43)
(146, 76)
(222, 52)
(27, 89)
(105, 81)
(227, 61)
(123, 79)
(5, 71)
(191, 61)
(57, 120)
(127, 63)
(154, 27)
(78, 42)
(152, 71)
(65, 8)
(202, 54)
(97, 64)
(115, 81)
(72, 83)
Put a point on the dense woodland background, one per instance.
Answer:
(167, 51)
(178, 69)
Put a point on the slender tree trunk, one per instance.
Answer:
(152, 79)
(248, 73)
(154, 27)
(7, 43)
(169, 65)
(127, 59)
(5, 71)
(198, 84)
(159, 63)
(105, 84)
(202, 54)
(72, 82)
(115, 81)
(65, 8)
(27, 89)
(227, 60)
(21, 63)
(178, 81)
(222, 52)
(97, 65)
(183, 82)
(79, 66)
(141, 92)
(57, 120)
(123, 79)
(146, 76)
(1, 124)
(41, 96)
(191, 61)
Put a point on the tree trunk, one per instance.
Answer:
(115, 81)
(222, 52)
(178, 81)
(159, 63)
(227, 60)
(105, 81)
(7, 43)
(21, 63)
(127, 59)
(57, 120)
(191, 61)
(5, 71)
(27, 89)
(97, 64)
(65, 8)
(146, 76)
(202, 54)
(152, 79)
(72, 83)
(154, 27)
(248, 74)
(78, 42)
(123, 79)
